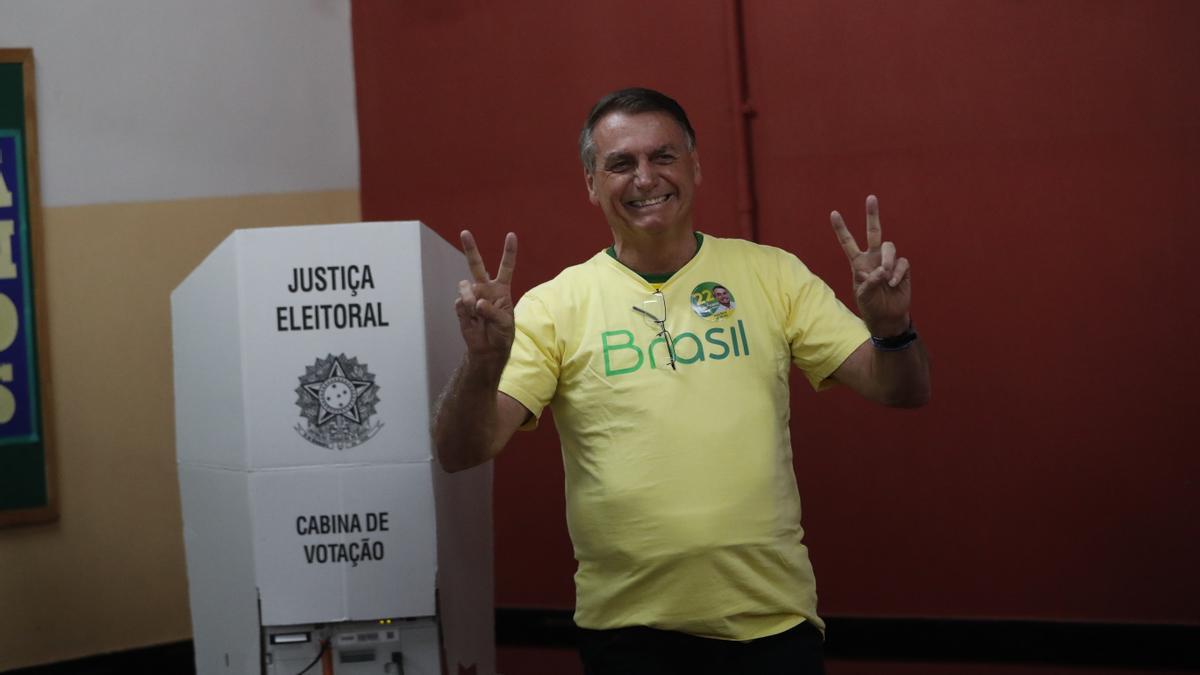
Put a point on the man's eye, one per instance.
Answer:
(664, 159)
(619, 167)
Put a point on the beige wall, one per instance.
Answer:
(222, 114)
(110, 574)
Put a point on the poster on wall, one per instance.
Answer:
(26, 487)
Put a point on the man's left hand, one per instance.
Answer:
(882, 282)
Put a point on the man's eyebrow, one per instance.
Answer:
(615, 155)
(624, 154)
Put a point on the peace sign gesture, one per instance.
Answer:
(484, 305)
(882, 285)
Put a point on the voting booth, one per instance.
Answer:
(320, 529)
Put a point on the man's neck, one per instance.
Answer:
(663, 255)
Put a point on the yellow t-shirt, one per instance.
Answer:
(681, 498)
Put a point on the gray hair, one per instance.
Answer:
(633, 100)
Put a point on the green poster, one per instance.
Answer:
(25, 490)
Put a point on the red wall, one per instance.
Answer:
(469, 117)
(1036, 161)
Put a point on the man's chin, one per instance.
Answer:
(656, 223)
(647, 224)
(656, 227)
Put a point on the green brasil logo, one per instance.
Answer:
(621, 346)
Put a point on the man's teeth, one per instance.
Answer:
(649, 202)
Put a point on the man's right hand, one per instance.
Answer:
(474, 420)
(485, 305)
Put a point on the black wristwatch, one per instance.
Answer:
(896, 342)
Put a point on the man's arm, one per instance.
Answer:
(474, 420)
(895, 378)
(895, 371)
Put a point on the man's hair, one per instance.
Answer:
(634, 100)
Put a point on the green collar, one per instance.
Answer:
(656, 278)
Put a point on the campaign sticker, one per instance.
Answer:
(711, 300)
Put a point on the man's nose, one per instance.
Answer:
(643, 175)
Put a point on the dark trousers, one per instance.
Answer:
(647, 651)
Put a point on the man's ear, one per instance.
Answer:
(588, 177)
(696, 165)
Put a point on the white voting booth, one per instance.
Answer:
(319, 527)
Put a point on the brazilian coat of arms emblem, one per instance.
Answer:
(337, 397)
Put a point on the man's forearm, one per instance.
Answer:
(465, 422)
(902, 375)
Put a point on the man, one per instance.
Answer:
(686, 529)
(724, 300)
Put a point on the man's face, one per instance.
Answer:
(722, 296)
(644, 177)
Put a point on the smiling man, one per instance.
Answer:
(686, 526)
(642, 170)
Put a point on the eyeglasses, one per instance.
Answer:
(655, 311)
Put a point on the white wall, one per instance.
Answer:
(143, 100)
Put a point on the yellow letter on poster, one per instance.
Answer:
(9, 322)
(8, 269)
(8, 402)
(5, 195)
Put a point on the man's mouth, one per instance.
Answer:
(653, 201)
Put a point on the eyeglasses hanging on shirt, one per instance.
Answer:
(655, 312)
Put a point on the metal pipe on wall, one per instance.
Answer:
(743, 112)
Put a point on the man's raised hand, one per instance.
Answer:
(484, 304)
(882, 284)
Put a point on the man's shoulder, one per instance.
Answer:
(752, 251)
